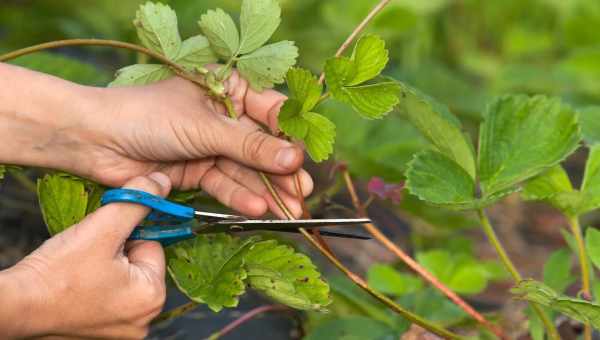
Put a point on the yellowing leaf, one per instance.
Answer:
(577, 309)
(221, 31)
(63, 201)
(195, 52)
(140, 74)
(268, 65)
(209, 269)
(156, 26)
(521, 137)
(286, 276)
(370, 57)
(439, 126)
(258, 20)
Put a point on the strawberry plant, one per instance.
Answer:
(522, 141)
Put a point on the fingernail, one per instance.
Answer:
(286, 157)
(161, 179)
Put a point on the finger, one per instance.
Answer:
(232, 194)
(147, 255)
(114, 222)
(247, 144)
(264, 106)
(251, 180)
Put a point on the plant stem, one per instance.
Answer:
(510, 267)
(363, 24)
(411, 263)
(585, 267)
(354, 277)
(25, 181)
(175, 312)
(245, 318)
(102, 42)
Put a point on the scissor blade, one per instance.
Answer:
(248, 225)
(328, 233)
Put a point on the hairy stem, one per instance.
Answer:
(245, 318)
(585, 268)
(108, 43)
(363, 24)
(175, 312)
(411, 263)
(510, 267)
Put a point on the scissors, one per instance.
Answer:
(171, 222)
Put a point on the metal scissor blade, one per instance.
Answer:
(275, 225)
(328, 233)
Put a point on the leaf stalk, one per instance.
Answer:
(585, 267)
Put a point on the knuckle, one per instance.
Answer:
(144, 183)
(253, 144)
(155, 296)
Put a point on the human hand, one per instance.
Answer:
(174, 127)
(88, 282)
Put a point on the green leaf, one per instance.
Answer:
(291, 119)
(258, 20)
(304, 87)
(557, 270)
(554, 187)
(591, 181)
(387, 280)
(221, 31)
(63, 201)
(437, 179)
(439, 126)
(589, 119)
(468, 279)
(370, 57)
(140, 74)
(195, 52)
(355, 80)
(522, 136)
(268, 65)
(373, 100)
(352, 328)
(286, 276)
(209, 268)
(577, 309)
(2, 171)
(320, 137)
(592, 244)
(156, 26)
(461, 272)
(547, 185)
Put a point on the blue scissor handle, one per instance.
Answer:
(162, 209)
(165, 235)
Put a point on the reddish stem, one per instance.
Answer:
(412, 264)
(245, 318)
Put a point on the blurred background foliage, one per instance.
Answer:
(460, 52)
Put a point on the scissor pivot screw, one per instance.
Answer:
(236, 228)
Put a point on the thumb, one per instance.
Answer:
(244, 142)
(112, 224)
